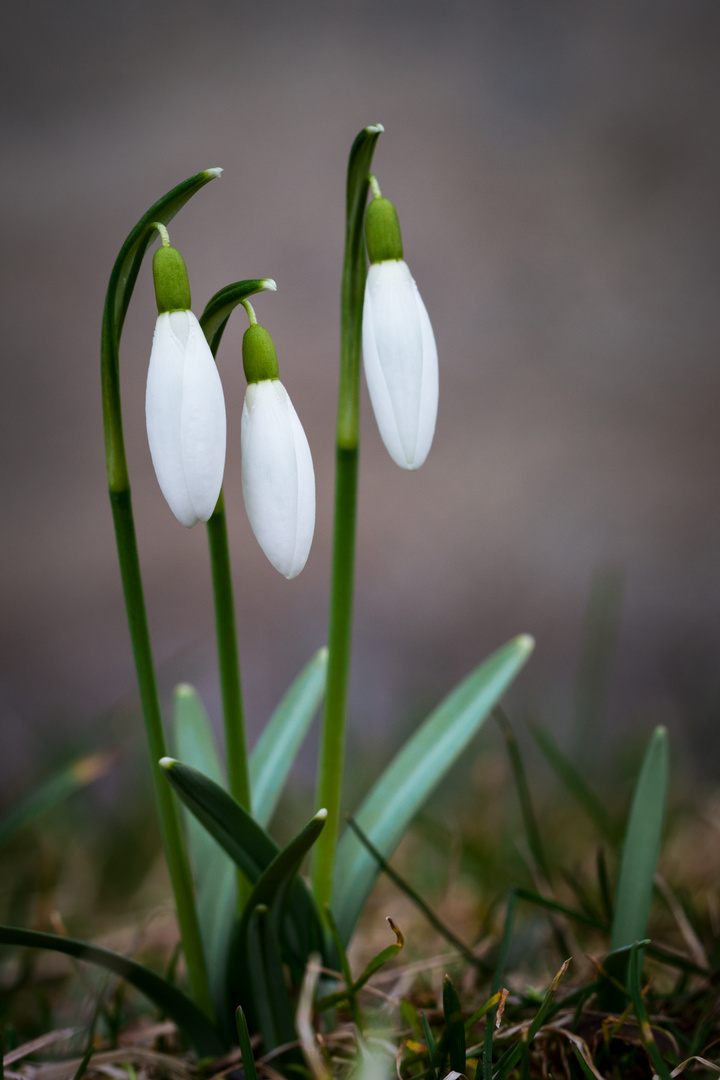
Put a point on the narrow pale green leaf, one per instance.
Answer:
(414, 773)
(220, 307)
(179, 1008)
(213, 870)
(49, 794)
(275, 751)
(641, 847)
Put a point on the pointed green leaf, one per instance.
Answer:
(220, 307)
(213, 870)
(188, 1017)
(301, 931)
(248, 1060)
(246, 842)
(641, 848)
(270, 999)
(276, 749)
(49, 794)
(413, 774)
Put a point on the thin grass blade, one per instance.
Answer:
(275, 751)
(532, 832)
(248, 1060)
(454, 1026)
(646, 1033)
(574, 782)
(414, 773)
(54, 791)
(179, 1008)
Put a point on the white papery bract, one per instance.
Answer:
(401, 365)
(185, 414)
(278, 479)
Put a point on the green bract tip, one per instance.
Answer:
(167, 763)
(259, 356)
(382, 231)
(172, 287)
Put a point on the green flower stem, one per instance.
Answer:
(228, 657)
(175, 853)
(120, 288)
(332, 750)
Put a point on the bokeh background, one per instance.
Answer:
(556, 167)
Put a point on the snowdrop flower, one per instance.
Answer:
(278, 480)
(399, 352)
(184, 403)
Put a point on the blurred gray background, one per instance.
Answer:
(556, 168)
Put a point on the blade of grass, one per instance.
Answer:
(351, 996)
(248, 1060)
(374, 965)
(454, 1026)
(646, 1034)
(532, 831)
(181, 1009)
(431, 1045)
(574, 782)
(49, 794)
(497, 980)
(429, 914)
(415, 772)
(598, 645)
(512, 1055)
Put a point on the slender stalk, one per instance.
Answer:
(120, 287)
(332, 750)
(228, 657)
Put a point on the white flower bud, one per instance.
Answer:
(185, 414)
(278, 480)
(401, 365)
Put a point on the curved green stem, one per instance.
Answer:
(120, 288)
(332, 750)
(228, 657)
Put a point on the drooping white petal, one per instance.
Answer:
(202, 423)
(400, 359)
(185, 414)
(278, 480)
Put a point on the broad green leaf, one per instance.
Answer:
(414, 773)
(220, 307)
(214, 872)
(49, 794)
(275, 751)
(641, 847)
(179, 1008)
